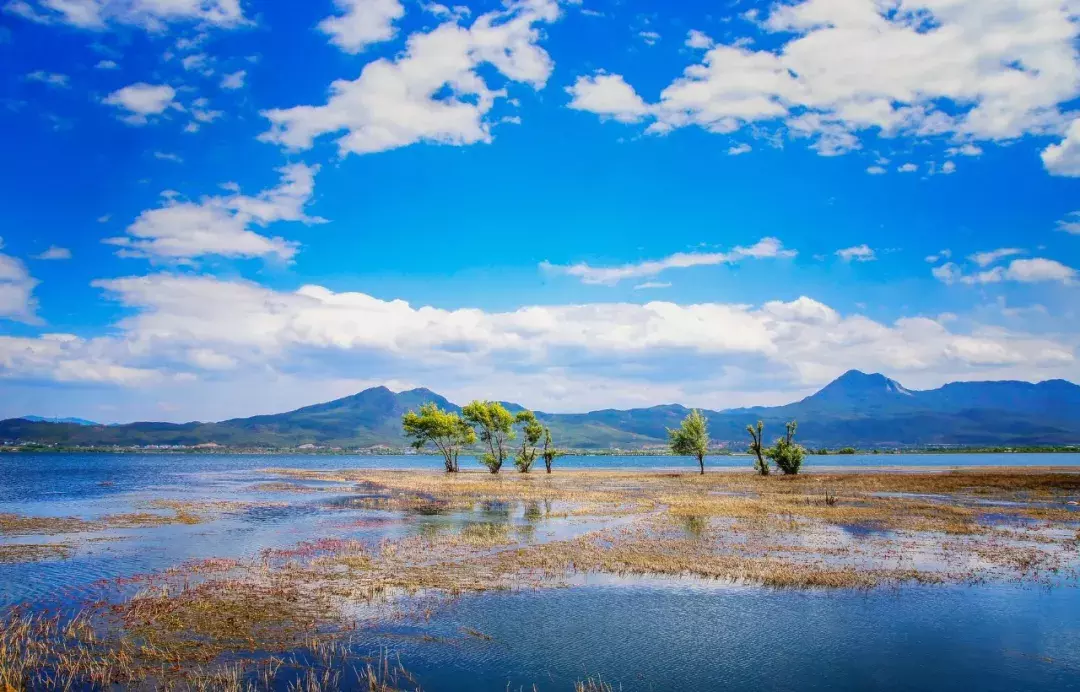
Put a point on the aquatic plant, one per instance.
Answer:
(787, 455)
(446, 430)
(691, 438)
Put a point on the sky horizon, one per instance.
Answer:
(222, 208)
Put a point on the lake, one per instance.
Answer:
(646, 633)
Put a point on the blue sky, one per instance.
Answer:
(216, 208)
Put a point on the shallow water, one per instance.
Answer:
(637, 633)
(647, 635)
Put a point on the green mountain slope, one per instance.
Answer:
(856, 409)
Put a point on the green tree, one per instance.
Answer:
(787, 455)
(444, 429)
(495, 427)
(691, 438)
(549, 453)
(760, 465)
(531, 432)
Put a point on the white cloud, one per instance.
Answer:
(965, 150)
(556, 354)
(609, 96)
(168, 156)
(52, 79)
(362, 23)
(142, 100)
(649, 37)
(1064, 158)
(398, 102)
(152, 15)
(737, 149)
(876, 170)
(652, 284)
(908, 168)
(68, 358)
(54, 252)
(106, 65)
(943, 254)
(948, 168)
(698, 40)
(17, 300)
(1071, 223)
(985, 259)
(1035, 270)
(764, 248)
(234, 80)
(857, 253)
(195, 61)
(1038, 270)
(989, 70)
(179, 231)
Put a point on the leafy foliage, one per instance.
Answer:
(494, 426)
(760, 465)
(787, 455)
(444, 429)
(691, 438)
(549, 453)
(531, 432)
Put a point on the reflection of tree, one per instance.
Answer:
(532, 511)
(496, 510)
(431, 529)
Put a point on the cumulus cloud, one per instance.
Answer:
(609, 96)
(142, 100)
(610, 276)
(1064, 158)
(17, 300)
(1029, 271)
(698, 40)
(222, 225)
(857, 253)
(432, 92)
(591, 354)
(69, 358)
(989, 70)
(362, 23)
(152, 15)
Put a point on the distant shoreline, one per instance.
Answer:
(43, 449)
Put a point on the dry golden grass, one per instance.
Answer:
(38, 552)
(22, 525)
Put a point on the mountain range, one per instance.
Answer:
(856, 409)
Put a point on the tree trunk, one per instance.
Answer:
(701, 463)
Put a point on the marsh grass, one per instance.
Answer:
(35, 552)
(188, 625)
(23, 525)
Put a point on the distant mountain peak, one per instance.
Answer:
(857, 380)
(43, 419)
